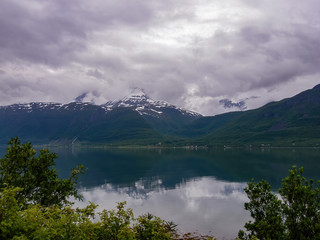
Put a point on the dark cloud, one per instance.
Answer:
(190, 53)
(227, 103)
(52, 32)
(37, 35)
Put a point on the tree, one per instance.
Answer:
(36, 176)
(296, 215)
(301, 206)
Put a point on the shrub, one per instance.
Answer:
(296, 215)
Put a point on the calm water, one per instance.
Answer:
(199, 190)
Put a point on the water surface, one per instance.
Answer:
(199, 190)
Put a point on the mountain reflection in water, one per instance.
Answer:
(200, 204)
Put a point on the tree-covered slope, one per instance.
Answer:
(74, 122)
(43, 122)
(293, 120)
(206, 125)
(121, 126)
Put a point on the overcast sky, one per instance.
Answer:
(192, 53)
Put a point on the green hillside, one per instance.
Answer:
(121, 126)
(292, 121)
(45, 125)
(77, 122)
(206, 125)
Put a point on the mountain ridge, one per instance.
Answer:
(138, 120)
(290, 121)
(54, 122)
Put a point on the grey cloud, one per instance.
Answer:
(36, 36)
(113, 45)
(261, 60)
(254, 35)
(226, 103)
(54, 34)
(95, 73)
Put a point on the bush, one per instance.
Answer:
(296, 215)
(36, 176)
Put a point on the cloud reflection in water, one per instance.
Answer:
(201, 204)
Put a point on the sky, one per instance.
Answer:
(196, 54)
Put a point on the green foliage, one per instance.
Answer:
(38, 222)
(116, 224)
(38, 180)
(295, 216)
(301, 206)
(121, 224)
(265, 209)
(151, 227)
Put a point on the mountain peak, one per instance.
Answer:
(138, 100)
(93, 97)
(89, 96)
(137, 91)
(81, 97)
(136, 94)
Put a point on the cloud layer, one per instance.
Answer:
(189, 53)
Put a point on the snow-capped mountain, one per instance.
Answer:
(135, 117)
(29, 107)
(140, 102)
(45, 106)
(137, 100)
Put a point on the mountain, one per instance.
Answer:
(121, 125)
(138, 120)
(203, 126)
(46, 122)
(162, 116)
(140, 102)
(135, 119)
(293, 121)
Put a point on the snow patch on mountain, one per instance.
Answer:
(144, 105)
(30, 107)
